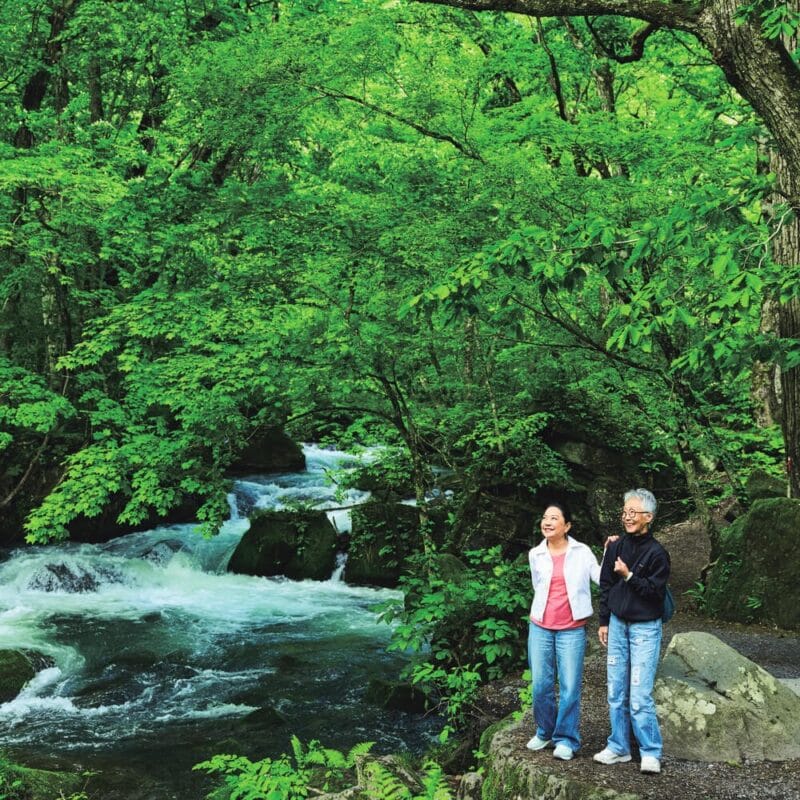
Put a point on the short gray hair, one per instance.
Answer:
(648, 499)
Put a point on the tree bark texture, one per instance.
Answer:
(786, 250)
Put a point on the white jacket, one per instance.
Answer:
(580, 567)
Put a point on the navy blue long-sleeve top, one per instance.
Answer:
(642, 597)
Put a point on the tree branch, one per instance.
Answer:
(442, 137)
(24, 479)
(669, 15)
(637, 42)
(555, 78)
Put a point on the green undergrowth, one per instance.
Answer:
(22, 783)
(311, 770)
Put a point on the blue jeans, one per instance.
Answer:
(550, 653)
(633, 651)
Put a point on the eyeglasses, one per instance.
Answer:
(630, 513)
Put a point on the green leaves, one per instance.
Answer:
(27, 405)
(473, 619)
(308, 769)
(239, 216)
(781, 20)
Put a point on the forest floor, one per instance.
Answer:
(775, 650)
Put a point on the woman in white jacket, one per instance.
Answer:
(561, 571)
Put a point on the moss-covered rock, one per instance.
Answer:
(755, 577)
(297, 544)
(450, 567)
(510, 775)
(383, 536)
(104, 526)
(397, 695)
(761, 485)
(16, 669)
(38, 784)
(496, 727)
(716, 705)
(270, 451)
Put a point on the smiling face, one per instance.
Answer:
(634, 519)
(554, 526)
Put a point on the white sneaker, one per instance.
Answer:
(650, 764)
(563, 752)
(538, 744)
(608, 756)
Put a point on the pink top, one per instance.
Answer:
(557, 613)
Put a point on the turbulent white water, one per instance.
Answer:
(147, 636)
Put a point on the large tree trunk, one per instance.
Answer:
(95, 83)
(786, 250)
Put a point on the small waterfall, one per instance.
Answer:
(338, 570)
(233, 506)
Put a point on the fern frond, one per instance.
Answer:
(358, 751)
(381, 784)
(297, 749)
(434, 784)
(334, 758)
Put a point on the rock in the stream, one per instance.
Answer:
(716, 705)
(15, 671)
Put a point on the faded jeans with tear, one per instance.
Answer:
(633, 652)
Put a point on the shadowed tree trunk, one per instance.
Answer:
(786, 250)
(95, 90)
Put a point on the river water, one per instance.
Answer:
(159, 658)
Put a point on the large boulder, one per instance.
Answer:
(271, 450)
(382, 537)
(761, 485)
(16, 670)
(104, 526)
(716, 705)
(491, 514)
(600, 474)
(297, 544)
(755, 577)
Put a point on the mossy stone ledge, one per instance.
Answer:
(512, 775)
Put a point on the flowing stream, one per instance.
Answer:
(158, 658)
